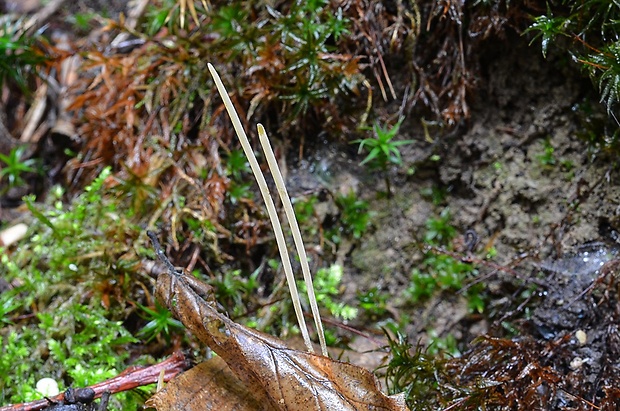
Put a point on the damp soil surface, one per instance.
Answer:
(521, 178)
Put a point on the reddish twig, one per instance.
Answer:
(129, 379)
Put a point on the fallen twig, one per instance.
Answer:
(129, 379)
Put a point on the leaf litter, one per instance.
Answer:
(271, 373)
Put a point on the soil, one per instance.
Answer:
(552, 216)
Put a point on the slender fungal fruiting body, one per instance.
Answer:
(273, 216)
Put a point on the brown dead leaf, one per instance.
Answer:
(284, 378)
(208, 386)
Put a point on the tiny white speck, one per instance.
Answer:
(577, 362)
(48, 387)
(582, 337)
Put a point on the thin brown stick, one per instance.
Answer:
(128, 380)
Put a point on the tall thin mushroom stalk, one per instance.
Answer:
(273, 217)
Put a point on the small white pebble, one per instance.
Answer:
(48, 387)
(576, 363)
(582, 337)
(13, 234)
